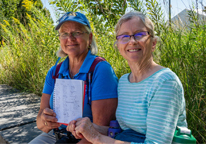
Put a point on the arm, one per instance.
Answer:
(104, 94)
(46, 115)
(163, 112)
(101, 129)
(103, 111)
(86, 128)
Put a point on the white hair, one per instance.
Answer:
(146, 21)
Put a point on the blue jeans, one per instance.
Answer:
(130, 136)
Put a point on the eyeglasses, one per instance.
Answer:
(123, 39)
(73, 34)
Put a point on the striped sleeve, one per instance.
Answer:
(163, 113)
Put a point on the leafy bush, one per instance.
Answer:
(28, 53)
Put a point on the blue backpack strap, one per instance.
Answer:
(90, 74)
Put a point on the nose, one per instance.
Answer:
(70, 36)
(132, 40)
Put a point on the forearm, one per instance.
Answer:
(101, 129)
(84, 141)
(102, 139)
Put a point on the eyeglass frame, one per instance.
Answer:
(131, 36)
(72, 34)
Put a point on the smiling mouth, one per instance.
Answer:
(72, 45)
(134, 50)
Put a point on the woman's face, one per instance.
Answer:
(74, 46)
(135, 50)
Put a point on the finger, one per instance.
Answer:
(79, 119)
(75, 135)
(49, 111)
(49, 118)
(71, 126)
(79, 135)
(52, 125)
(84, 121)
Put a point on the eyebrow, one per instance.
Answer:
(137, 31)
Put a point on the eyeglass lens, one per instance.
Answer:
(126, 38)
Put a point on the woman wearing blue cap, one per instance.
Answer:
(78, 44)
(150, 99)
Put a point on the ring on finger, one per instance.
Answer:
(45, 123)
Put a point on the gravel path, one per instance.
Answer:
(18, 113)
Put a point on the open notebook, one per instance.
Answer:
(68, 99)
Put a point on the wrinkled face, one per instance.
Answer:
(135, 50)
(74, 46)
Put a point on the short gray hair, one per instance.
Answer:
(128, 16)
(93, 46)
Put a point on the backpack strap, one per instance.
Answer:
(89, 76)
(95, 62)
(55, 74)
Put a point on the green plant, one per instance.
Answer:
(28, 53)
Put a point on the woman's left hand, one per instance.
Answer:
(85, 128)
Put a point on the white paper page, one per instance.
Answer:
(68, 98)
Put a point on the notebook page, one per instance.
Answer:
(68, 99)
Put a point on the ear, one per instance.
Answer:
(154, 42)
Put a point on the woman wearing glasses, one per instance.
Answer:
(78, 45)
(150, 98)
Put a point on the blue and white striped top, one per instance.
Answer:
(154, 106)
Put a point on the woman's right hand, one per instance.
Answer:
(49, 120)
(71, 128)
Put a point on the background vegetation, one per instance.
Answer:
(28, 49)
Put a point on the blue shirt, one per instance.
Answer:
(103, 86)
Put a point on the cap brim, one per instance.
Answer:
(59, 25)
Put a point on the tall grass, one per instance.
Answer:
(28, 53)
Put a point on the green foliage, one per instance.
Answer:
(155, 13)
(18, 9)
(102, 14)
(28, 54)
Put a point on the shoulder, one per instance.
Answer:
(124, 78)
(104, 71)
(166, 81)
(166, 75)
(51, 70)
(103, 66)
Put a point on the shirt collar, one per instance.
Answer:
(64, 69)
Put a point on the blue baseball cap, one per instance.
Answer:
(73, 16)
